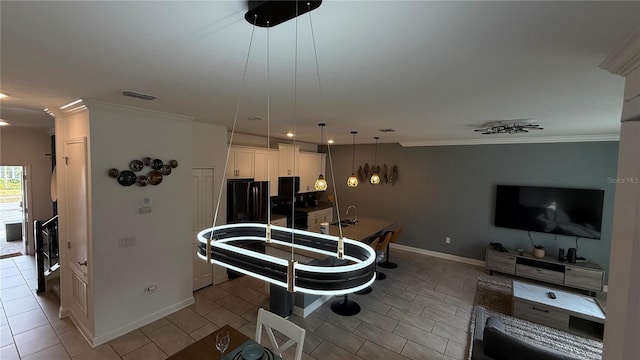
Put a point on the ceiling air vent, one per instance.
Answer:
(386, 130)
(134, 94)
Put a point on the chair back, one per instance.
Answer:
(270, 322)
(375, 242)
(396, 235)
(385, 240)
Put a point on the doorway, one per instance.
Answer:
(13, 198)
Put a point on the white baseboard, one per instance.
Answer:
(312, 307)
(99, 340)
(461, 259)
(86, 334)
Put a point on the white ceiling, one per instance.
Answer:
(433, 71)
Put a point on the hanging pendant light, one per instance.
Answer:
(352, 181)
(321, 183)
(353, 267)
(375, 177)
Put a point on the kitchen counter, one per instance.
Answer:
(365, 228)
(323, 205)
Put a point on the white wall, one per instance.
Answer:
(27, 147)
(161, 255)
(209, 149)
(68, 127)
(622, 326)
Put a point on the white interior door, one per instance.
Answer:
(202, 195)
(77, 210)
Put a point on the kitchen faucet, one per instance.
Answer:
(355, 219)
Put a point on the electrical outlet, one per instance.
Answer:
(447, 240)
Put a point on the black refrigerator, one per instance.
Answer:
(247, 201)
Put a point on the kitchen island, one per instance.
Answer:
(304, 304)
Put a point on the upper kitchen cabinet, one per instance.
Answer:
(288, 160)
(266, 168)
(311, 165)
(241, 163)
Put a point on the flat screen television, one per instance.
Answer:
(561, 211)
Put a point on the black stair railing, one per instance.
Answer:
(47, 254)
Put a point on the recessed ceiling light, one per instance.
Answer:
(3, 123)
(330, 141)
(70, 104)
(290, 134)
(2, 96)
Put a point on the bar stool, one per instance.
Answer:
(386, 263)
(384, 244)
(368, 289)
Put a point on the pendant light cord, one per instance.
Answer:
(295, 116)
(233, 130)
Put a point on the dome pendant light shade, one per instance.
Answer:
(375, 178)
(321, 183)
(352, 181)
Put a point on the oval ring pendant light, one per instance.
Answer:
(346, 265)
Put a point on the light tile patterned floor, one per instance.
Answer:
(421, 311)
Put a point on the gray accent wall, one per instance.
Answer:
(449, 191)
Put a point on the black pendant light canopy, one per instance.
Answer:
(271, 13)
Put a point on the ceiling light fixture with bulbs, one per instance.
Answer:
(516, 126)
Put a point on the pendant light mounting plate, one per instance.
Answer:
(273, 12)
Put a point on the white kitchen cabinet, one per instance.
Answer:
(319, 216)
(241, 163)
(266, 168)
(311, 165)
(288, 160)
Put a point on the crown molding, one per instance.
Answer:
(626, 58)
(514, 140)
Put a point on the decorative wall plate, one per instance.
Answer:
(126, 178)
(155, 177)
(165, 170)
(136, 165)
(114, 173)
(173, 163)
(156, 164)
(142, 180)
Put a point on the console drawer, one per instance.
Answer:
(502, 262)
(541, 314)
(583, 278)
(540, 274)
